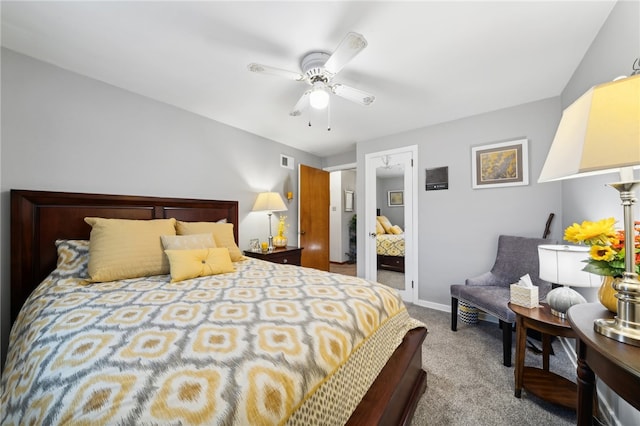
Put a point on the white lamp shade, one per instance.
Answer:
(269, 202)
(563, 264)
(598, 133)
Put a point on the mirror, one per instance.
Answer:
(390, 242)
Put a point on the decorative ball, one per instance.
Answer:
(562, 298)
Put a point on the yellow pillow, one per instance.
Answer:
(125, 248)
(385, 223)
(395, 229)
(379, 228)
(222, 235)
(188, 242)
(186, 264)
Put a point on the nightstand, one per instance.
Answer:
(284, 255)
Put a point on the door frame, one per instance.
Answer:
(411, 218)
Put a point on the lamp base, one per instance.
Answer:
(560, 299)
(561, 315)
(618, 329)
(625, 327)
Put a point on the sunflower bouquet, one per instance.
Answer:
(606, 253)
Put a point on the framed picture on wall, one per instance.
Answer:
(348, 201)
(500, 164)
(395, 198)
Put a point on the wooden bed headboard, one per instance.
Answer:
(39, 218)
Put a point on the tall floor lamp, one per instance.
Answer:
(269, 202)
(600, 133)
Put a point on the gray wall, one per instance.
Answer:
(395, 214)
(65, 132)
(459, 227)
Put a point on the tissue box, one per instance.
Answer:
(524, 296)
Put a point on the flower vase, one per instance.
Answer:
(280, 241)
(607, 294)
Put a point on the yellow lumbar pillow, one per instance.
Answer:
(188, 242)
(222, 235)
(126, 248)
(186, 264)
(395, 229)
(385, 223)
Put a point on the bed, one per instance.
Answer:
(389, 245)
(390, 252)
(59, 320)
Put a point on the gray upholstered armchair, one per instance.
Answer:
(489, 292)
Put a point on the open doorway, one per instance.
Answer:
(342, 221)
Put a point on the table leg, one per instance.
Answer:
(521, 347)
(586, 386)
(546, 351)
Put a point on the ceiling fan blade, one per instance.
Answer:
(301, 104)
(265, 69)
(350, 46)
(354, 95)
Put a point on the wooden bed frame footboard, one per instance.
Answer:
(38, 218)
(393, 397)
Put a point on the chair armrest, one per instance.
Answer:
(485, 279)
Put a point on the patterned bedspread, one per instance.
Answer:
(390, 244)
(267, 344)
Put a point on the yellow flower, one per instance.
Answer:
(605, 253)
(282, 226)
(572, 233)
(599, 232)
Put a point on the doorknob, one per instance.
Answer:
(373, 235)
(302, 232)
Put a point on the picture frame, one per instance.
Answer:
(500, 164)
(348, 201)
(395, 198)
(254, 245)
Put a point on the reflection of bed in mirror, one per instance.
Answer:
(389, 245)
(76, 348)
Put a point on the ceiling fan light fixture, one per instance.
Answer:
(319, 96)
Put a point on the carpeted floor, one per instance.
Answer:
(390, 278)
(467, 383)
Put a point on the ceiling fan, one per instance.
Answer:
(318, 70)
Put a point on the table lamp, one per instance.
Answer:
(562, 264)
(269, 202)
(600, 133)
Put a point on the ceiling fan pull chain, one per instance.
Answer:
(329, 116)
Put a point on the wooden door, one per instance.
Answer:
(313, 217)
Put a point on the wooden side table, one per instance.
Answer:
(284, 255)
(540, 381)
(616, 364)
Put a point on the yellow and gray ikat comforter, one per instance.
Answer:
(390, 244)
(267, 344)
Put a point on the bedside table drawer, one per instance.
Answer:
(284, 255)
(289, 257)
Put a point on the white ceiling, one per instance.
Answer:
(426, 62)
